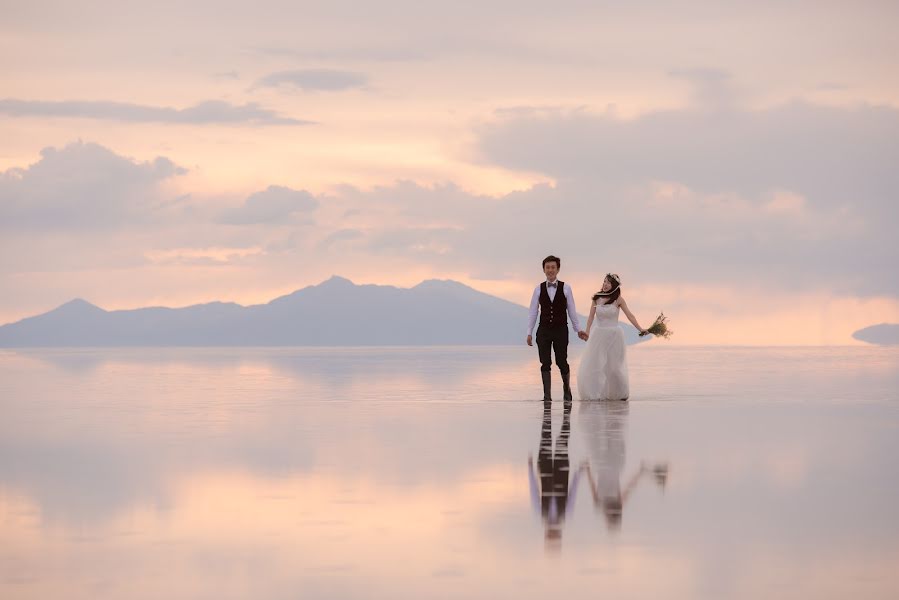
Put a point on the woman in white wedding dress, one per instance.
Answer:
(602, 374)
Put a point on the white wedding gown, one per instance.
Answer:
(602, 374)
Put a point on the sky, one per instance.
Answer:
(735, 163)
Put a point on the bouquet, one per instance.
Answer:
(660, 327)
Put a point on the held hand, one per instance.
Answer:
(530, 341)
(583, 335)
(643, 332)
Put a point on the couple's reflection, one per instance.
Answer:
(550, 490)
(603, 425)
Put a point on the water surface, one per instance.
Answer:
(437, 473)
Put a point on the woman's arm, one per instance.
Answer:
(630, 316)
(590, 318)
(630, 485)
(596, 498)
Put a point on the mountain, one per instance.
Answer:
(336, 312)
(884, 334)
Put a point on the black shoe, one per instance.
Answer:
(566, 386)
(547, 385)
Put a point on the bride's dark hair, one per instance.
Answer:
(612, 294)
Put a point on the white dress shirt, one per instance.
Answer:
(551, 291)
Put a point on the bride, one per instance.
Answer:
(602, 374)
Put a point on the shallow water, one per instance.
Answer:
(404, 473)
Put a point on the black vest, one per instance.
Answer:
(553, 313)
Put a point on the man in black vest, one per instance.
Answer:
(554, 299)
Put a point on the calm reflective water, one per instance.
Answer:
(436, 473)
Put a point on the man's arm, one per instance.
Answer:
(532, 485)
(532, 311)
(572, 312)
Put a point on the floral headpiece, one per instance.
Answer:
(613, 277)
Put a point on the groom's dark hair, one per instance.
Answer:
(554, 259)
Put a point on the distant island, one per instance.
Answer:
(336, 312)
(884, 334)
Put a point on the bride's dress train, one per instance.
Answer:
(602, 374)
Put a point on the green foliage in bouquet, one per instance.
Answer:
(660, 327)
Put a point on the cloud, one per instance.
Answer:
(833, 155)
(339, 239)
(711, 87)
(314, 80)
(831, 86)
(797, 194)
(200, 256)
(84, 186)
(411, 241)
(791, 198)
(381, 51)
(273, 205)
(204, 113)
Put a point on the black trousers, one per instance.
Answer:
(553, 339)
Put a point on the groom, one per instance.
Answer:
(554, 299)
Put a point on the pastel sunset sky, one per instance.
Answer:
(737, 163)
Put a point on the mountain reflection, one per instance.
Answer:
(326, 366)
